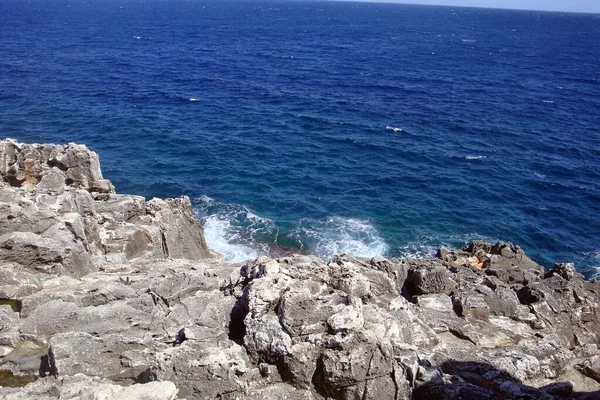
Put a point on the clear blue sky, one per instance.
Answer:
(592, 6)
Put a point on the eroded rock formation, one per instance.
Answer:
(107, 296)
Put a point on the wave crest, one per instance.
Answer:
(337, 235)
(475, 157)
(394, 129)
(222, 237)
(233, 230)
(239, 234)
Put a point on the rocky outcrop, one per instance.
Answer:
(59, 216)
(344, 330)
(51, 166)
(108, 296)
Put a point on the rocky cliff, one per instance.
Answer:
(107, 296)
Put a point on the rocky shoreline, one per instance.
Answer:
(110, 296)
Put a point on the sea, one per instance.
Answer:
(325, 127)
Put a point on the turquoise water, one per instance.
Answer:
(324, 126)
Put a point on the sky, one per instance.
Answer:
(591, 6)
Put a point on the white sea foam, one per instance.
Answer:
(137, 37)
(592, 259)
(393, 129)
(233, 230)
(417, 249)
(337, 235)
(539, 175)
(469, 40)
(205, 200)
(257, 218)
(222, 238)
(475, 157)
(548, 101)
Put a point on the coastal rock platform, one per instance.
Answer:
(111, 296)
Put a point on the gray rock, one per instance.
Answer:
(54, 180)
(31, 250)
(119, 207)
(471, 305)
(182, 234)
(304, 310)
(98, 289)
(558, 388)
(396, 270)
(81, 387)
(502, 301)
(344, 370)
(437, 302)
(278, 391)
(590, 367)
(17, 282)
(426, 276)
(68, 230)
(27, 165)
(565, 270)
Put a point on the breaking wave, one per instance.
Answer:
(239, 234)
(592, 261)
(221, 236)
(337, 235)
(234, 231)
(394, 129)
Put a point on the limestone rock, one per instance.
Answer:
(181, 231)
(427, 276)
(81, 387)
(565, 270)
(471, 305)
(27, 165)
(590, 367)
(106, 296)
(49, 220)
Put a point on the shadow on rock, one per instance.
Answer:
(474, 380)
(48, 365)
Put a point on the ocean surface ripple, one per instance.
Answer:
(325, 127)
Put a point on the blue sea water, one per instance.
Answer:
(325, 126)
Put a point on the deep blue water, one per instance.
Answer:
(325, 126)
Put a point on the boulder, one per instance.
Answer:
(426, 276)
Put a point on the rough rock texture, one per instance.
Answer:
(51, 166)
(74, 226)
(107, 296)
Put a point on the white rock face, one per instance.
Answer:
(147, 391)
